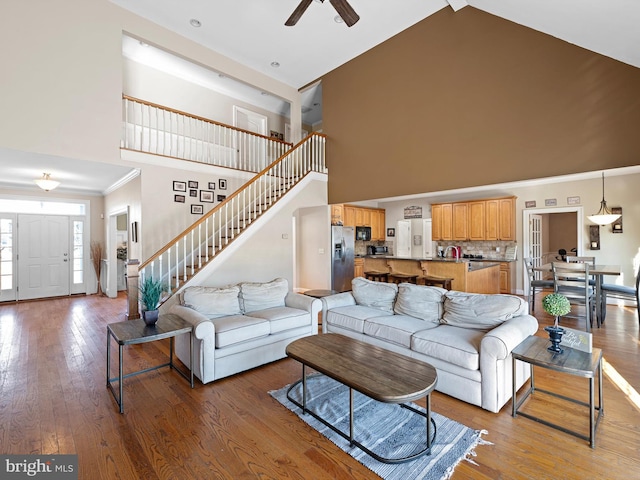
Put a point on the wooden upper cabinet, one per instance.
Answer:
(460, 221)
(442, 221)
(349, 216)
(476, 213)
(491, 212)
(436, 222)
(366, 217)
(507, 218)
(336, 215)
(378, 224)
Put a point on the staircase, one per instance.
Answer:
(198, 246)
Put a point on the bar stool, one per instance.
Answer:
(432, 281)
(376, 276)
(402, 277)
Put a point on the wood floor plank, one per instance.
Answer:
(53, 399)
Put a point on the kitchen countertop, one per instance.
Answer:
(474, 264)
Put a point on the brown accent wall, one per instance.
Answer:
(465, 99)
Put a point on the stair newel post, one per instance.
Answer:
(133, 283)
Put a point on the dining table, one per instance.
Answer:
(598, 271)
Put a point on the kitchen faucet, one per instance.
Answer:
(450, 247)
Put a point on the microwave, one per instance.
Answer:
(363, 233)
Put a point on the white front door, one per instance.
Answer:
(43, 256)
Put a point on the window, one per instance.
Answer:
(6, 253)
(77, 274)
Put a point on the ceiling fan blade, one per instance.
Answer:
(297, 13)
(345, 11)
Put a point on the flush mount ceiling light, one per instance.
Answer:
(45, 183)
(604, 215)
(195, 22)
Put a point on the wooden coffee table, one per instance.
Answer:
(380, 374)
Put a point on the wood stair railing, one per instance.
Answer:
(188, 253)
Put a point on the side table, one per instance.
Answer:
(320, 294)
(131, 332)
(533, 350)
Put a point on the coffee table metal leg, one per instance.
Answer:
(429, 422)
(120, 400)
(351, 417)
(304, 389)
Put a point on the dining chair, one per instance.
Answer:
(590, 260)
(572, 281)
(611, 290)
(534, 284)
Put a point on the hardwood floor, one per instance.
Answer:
(53, 399)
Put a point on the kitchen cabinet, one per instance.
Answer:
(358, 267)
(476, 212)
(505, 277)
(460, 221)
(337, 215)
(349, 216)
(378, 225)
(492, 219)
(442, 217)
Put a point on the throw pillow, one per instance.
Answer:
(213, 302)
(258, 296)
(378, 295)
(480, 311)
(420, 302)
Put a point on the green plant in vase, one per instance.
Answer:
(557, 305)
(150, 295)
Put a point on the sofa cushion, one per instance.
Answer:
(458, 346)
(420, 301)
(480, 311)
(239, 328)
(396, 329)
(212, 302)
(352, 317)
(258, 296)
(283, 318)
(378, 295)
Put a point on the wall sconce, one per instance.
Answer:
(45, 183)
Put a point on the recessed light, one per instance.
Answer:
(264, 94)
(275, 64)
(338, 19)
(195, 22)
(143, 44)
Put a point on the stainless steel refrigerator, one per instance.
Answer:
(342, 254)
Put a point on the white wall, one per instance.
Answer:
(154, 86)
(314, 248)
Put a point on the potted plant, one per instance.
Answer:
(557, 305)
(150, 294)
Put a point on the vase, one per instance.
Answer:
(150, 317)
(555, 335)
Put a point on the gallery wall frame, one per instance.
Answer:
(179, 186)
(179, 198)
(206, 196)
(197, 209)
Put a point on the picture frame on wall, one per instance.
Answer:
(179, 186)
(222, 183)
(206, 196)
(197, 209)
(193, 193)
(222, 198)
(212, 185)
(193, 184)
(179, 198)
(391, 232)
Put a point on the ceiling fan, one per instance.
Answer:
(348, 14)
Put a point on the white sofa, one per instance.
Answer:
(467, 337)
(242, 326)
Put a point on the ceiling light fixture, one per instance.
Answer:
(604, 215)
(275, 64)
(45, 183)
(195, 23)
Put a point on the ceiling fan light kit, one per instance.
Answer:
(604, 215)
(345, 11)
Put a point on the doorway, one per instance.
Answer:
(547, 230)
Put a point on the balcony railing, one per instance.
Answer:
(194, 248)
(151, 128)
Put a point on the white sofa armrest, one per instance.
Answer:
(303, 302)
(499, 342)
(495, 360)
(334, 301)
(202, 326)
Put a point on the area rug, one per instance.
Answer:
(386, 429)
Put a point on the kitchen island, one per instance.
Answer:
(468, 276)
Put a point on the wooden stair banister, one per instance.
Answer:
(190, 251)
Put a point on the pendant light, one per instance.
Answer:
(45, 183)
(604, 215)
